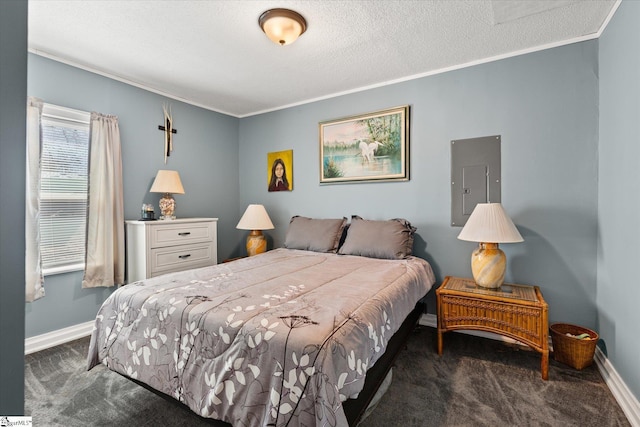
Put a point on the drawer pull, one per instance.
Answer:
(186, 233)
(184, 256)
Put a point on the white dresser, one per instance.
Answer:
(165, 246)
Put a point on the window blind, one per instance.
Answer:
(63, 187)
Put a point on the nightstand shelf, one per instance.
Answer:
(514, 311)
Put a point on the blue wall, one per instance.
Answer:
(619, 191)
(545, 106)
(13, 92)
(205, 154)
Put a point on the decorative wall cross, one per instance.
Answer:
(168, 130)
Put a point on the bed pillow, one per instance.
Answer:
(392, 239)
(310, 234)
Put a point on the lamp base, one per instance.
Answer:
(256, 243)
(488, 265)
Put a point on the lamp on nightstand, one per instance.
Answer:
(167, 182)
(489, 225)
(256, 219)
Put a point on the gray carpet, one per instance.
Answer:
(477, 382)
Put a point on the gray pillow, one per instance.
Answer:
(318, 235)
(392, 239)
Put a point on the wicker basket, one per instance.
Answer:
(572, 351)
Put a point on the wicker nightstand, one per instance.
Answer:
(515, 311)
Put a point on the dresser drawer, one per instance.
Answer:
(181, 234)
(177, 258)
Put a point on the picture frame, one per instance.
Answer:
(280, 171)
(370, 147)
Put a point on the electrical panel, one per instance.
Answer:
(475, 175)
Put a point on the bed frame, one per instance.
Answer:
(354, 409)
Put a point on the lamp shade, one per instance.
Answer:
(167, 182)
(490, 223)
(255, 218)
(282, 26)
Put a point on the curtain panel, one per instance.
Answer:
(34, 279)
(104, 256)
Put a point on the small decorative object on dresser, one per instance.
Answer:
(159, 247)
(147, 213)
(514, 311)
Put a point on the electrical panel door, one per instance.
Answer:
(475, 175)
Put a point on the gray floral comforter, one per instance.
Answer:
(278, 339)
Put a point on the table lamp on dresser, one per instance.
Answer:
(167, 182)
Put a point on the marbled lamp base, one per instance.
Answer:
(256, 243)
(488, 265)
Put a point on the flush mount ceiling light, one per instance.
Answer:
(282, 26)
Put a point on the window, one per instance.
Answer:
(63, 188)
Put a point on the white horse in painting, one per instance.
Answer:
(368, 150)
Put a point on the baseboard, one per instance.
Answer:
(627, 401)
(54, 338)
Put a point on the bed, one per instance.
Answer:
(283, 338)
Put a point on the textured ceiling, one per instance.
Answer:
(213, 53)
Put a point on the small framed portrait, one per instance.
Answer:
(280, 170)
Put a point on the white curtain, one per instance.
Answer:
(105, 211)
(33, 260)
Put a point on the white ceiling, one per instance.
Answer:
(213, 53)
